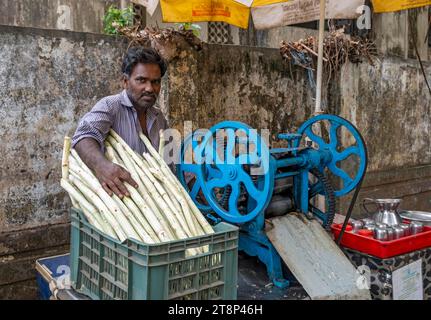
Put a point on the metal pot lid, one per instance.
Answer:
(416, 215)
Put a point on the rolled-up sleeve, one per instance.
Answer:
(96, 123)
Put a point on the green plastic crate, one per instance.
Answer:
(103, 268)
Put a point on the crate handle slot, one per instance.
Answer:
(197, 251)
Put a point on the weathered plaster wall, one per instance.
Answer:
(48, 80)
(252, 85)
(76, 15)
(390, 104)
(393, 33)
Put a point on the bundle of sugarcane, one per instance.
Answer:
(159, 210)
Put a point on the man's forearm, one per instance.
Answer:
(89, 151)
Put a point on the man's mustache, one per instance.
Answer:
(152, 95)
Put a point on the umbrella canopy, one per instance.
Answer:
(265, 13)
(397, 5)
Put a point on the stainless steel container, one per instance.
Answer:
(406, 229)
(386, 210)
(398, 232)
(421, 216)
(380, 234)
(391, 233)
(357, 225)
(381, 225)
(416, 227)
(370, 226)
(366, 221)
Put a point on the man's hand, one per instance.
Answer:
(112, 178)
(110, 175)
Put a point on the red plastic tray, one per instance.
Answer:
(383, 249)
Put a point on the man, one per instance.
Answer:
(128, 113)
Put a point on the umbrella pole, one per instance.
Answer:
(321, 203)
(318, 107)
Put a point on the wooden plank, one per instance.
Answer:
(314, 259)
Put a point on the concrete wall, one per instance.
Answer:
(393, 33)
(247, 84)
(48, 80)
(76, 15)
(390, 104)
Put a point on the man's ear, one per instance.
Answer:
(125, 81)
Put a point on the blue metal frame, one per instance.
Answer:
(213, 171)
(331, 147)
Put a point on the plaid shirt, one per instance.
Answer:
(118, 113)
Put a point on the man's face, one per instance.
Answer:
(143, 85)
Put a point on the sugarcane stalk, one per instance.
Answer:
(165, 169)
(65, 158)
(201, 231)
(148, 192)
(89, 210)
(143, 235)
(155, 218)
(110, 203)
(161, 142)
(170, 204)
(76, 181)
(151, 213)
(170, 217)
(154, 212)
(94, 222)
(137, 164)
(177, 190)
(110, 225)
(108, 154)
(112, 155)
(141, 218)
(75, 156)
(184, 207)
(187, 215)
(75, 203)
(150, 183)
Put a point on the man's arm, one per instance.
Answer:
(110, 175)
(88, 142)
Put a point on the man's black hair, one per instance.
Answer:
(137, 55)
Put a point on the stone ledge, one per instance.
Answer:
(21, 267)
(26, 240)
(396, 175)
(87, 37)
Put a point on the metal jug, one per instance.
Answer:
(386, 211)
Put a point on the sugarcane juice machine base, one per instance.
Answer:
(238, 179)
